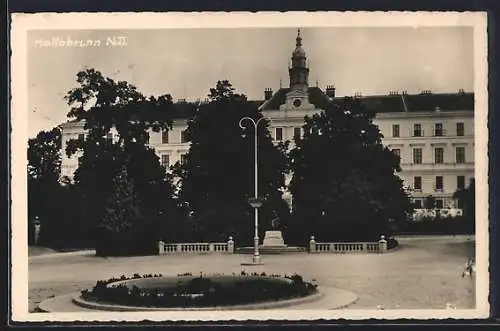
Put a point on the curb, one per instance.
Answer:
(62, 254)
(73, 303)
(79, 301)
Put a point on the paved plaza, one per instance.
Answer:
(420, 274)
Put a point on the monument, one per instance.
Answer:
(273, 242)
(273, 239)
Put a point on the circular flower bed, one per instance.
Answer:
(188, 291)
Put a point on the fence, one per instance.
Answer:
(355, 247)
(196, 248)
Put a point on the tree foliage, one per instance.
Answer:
(217, 178)
(467, 198)
(109, 107)
(344, 183)
(44, 166)
(121, 217)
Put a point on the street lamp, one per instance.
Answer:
(255, 202)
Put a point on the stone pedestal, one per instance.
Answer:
(273, 239)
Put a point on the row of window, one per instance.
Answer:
(438, 183)
(278, 133)
(165, 140)
(165, 160)
(438, 155)
(438, 131)
(439, 203)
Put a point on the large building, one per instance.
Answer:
(432, 133)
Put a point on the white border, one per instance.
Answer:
(21, 23)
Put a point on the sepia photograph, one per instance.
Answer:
(237, 166)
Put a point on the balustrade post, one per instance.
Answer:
(382, 244)
(312, 245)
(178, 248)
(230, 245)
(161, 247)
(211, 247)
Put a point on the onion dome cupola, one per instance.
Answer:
(298, 71)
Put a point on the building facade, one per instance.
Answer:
(432, 133)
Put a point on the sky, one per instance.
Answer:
(187, 62)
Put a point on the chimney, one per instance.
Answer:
(358, 95)
(461, 91)
(330, 91)
(268, 93)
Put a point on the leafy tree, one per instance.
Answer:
(122, 216)
(467, 198)
(430, 202)
(344, 183)
(105, 105)
(44, 166)
(217, 177)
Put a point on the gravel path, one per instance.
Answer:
(423, 274)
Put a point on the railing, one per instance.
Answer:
(354, 247)
(196, 248)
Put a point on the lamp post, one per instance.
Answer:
(255, 202)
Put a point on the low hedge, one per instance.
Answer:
(200, 291)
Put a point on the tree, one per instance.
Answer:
(467, 198)
(44, 166)
(103, 105)
(217, 177)
(345, 184)
(429, 202)
(122, 216)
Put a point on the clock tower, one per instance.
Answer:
(297, 96)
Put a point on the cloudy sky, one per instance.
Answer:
(187, 62)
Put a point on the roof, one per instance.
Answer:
(386, 103)
(378, 103)
(420, 102)
(316, 96)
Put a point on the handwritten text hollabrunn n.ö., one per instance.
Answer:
(112, 41)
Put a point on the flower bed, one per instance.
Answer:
(187, 291)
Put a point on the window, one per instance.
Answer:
(438, 130)
(417, 155)
(439, 183)
(460, 129)
(417, 130)
(395, 130)
(460, 154)
(397, 152)
(297, 132)
(417, 183)
(438, 155)
(164, 136)
(279, 134)
(165, 161)
(183, 158)
(417, 203)
(460, 182)
(184, 137)
(439, 204)
(81, 136)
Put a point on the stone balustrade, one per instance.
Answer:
(196, 248)
(348, 247)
